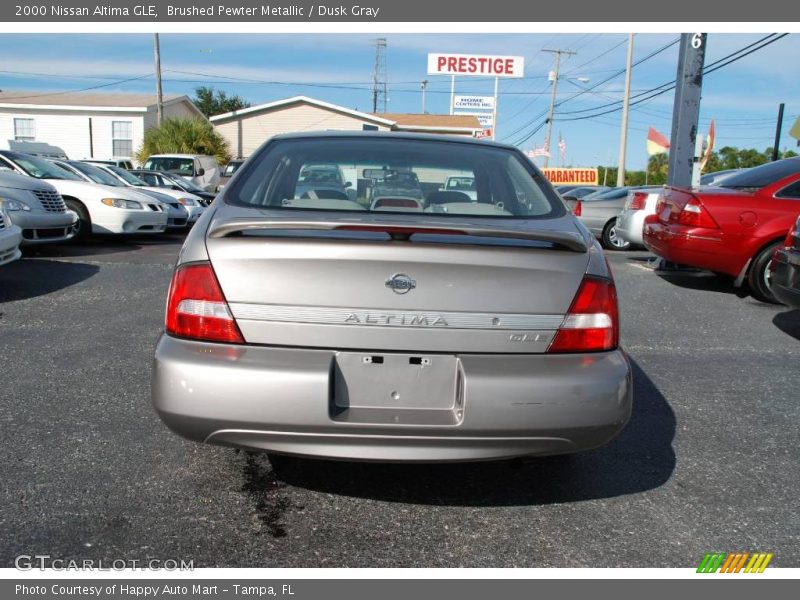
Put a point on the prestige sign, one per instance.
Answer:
(558, 176)
(476, 65)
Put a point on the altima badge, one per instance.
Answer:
(400, 283)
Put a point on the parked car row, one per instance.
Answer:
(51, 200)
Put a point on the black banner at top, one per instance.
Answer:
(451, 11)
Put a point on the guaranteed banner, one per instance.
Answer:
(558, 176)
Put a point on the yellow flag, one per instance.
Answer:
(795, 130)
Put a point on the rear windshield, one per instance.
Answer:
(182, 166)
(231, 168)
(396, 176)
(763, 175)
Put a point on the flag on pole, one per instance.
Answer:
(538, 152)
(656, 142)
(795, 131)
(709, 146)
(562, 148)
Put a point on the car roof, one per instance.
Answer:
(392, 135)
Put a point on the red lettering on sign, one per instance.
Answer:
(440, 62)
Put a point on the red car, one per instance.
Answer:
(733, 229)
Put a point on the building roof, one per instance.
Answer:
(397, 121)
(301, 100)
(430, 121)
(84, 100)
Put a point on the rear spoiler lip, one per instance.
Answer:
(571, 241)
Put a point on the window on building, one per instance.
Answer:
(122, 138)
(24, 130)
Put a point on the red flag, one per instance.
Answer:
(656, 142)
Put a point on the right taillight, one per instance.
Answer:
(196, 307)
(592, 323)
(577, 209)
(637, 201)
(694, 214)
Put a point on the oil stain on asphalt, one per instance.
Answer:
(271, 503)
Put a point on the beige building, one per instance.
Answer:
(85, 125)
(248, 128)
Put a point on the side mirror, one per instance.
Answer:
(177, 188)
(201, 171)
(348, 184)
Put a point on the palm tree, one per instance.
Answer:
(184, 136)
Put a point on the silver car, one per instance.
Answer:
(454, 330)
(37, 209)
(639, 204)
(598, 212)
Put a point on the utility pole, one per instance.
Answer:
(424, 87)
(686, 109)
(159, 95)
(558, 54)
(626, 102)
(379, 77)
(777, 145)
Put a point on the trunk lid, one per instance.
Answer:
(394, 282)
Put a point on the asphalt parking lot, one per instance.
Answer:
(709, 461)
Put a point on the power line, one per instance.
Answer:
(671, 84)
(526, 137)
(94, 87)
(658, 91)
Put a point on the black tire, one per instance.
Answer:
(609, 239)
(758, 275)
(84, 224)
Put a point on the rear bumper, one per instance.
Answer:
(629, 226)
(785, 279)
(282, 400)
(695, 247)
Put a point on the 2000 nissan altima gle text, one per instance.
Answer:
(337, 301)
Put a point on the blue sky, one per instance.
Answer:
(743, 97)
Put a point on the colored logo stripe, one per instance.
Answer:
(758, 563)
(711, 562)
(735, 562)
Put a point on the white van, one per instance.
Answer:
(200, 169)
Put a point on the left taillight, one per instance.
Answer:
(196, 306)
(694, 214)
(577, 209)
(637, 201)
(592, 323)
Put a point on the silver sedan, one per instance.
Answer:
(440, 329)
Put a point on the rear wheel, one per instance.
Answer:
(610, 240)
(759, 276)
(84, 225)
